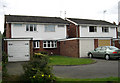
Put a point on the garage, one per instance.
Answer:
(104, 42)
(18, 50)
(85, 45)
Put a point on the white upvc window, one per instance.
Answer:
(31, 27)
(36, 44)
(105, 29)
(49, 44)
(49, 28)
(92, 29)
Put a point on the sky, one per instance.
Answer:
(85, 9)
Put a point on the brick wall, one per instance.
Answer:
(95, 43)
(71, 31)
(8, 30)
(69, 48)
(49, 50)
(117, 44)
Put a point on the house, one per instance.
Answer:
(85, 35)
(71, 37)
(28, 34)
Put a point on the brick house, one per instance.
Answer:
(85, 35)
(28, 34)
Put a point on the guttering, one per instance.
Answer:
(86, 38)
(9, 39)
(38, 23)
(71, 21)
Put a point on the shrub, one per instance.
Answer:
(4, 62)
(38, 70)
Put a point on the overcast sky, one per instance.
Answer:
(85, 9)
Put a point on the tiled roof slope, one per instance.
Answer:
(34, 19)
(88, 21)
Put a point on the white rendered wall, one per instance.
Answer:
(40, 34)
(84, 32)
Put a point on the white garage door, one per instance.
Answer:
(18, 51)
(85, 46)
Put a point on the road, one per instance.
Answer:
(100, 69)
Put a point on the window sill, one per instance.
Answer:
(36, 47)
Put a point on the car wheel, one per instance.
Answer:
(107, 57)
(90, 55)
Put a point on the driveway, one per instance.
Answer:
(100, 69)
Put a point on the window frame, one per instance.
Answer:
(31, 27)
(36, 44)
(95, 28)
(105, 29)
(52, 43)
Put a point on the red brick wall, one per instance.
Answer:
(49, 50)
(5, 47)
(69, 48)
(117, 44)
(95, 43)
(8, 30)
(71, 31)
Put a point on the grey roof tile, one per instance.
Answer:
(88, 21)
(35, 19)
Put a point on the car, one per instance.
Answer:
(107, 52)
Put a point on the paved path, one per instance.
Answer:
(100, 69)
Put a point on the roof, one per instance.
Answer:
(89, 21)
(35, 19)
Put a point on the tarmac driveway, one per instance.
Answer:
(100, 69)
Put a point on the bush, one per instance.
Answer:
(4, 62)
(38, 70)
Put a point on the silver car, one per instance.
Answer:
(107, 52)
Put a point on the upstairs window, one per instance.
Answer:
(49, 44)
(31, 27)
(36, 44)
(105, 29)
(92, 29)
(49, 28)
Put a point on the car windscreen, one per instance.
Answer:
(112, 48)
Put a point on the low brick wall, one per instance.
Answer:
(69, 48)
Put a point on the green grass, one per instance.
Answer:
(96, 80)
(63, 60)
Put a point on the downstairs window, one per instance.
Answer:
(49, 44)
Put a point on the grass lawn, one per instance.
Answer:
(64, 60)
(98, 80)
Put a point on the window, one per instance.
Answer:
(49, 28)
(105, 29)
(49, 44)
(92, 29)
(60, 25)
(36, 44)
(31, 27)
